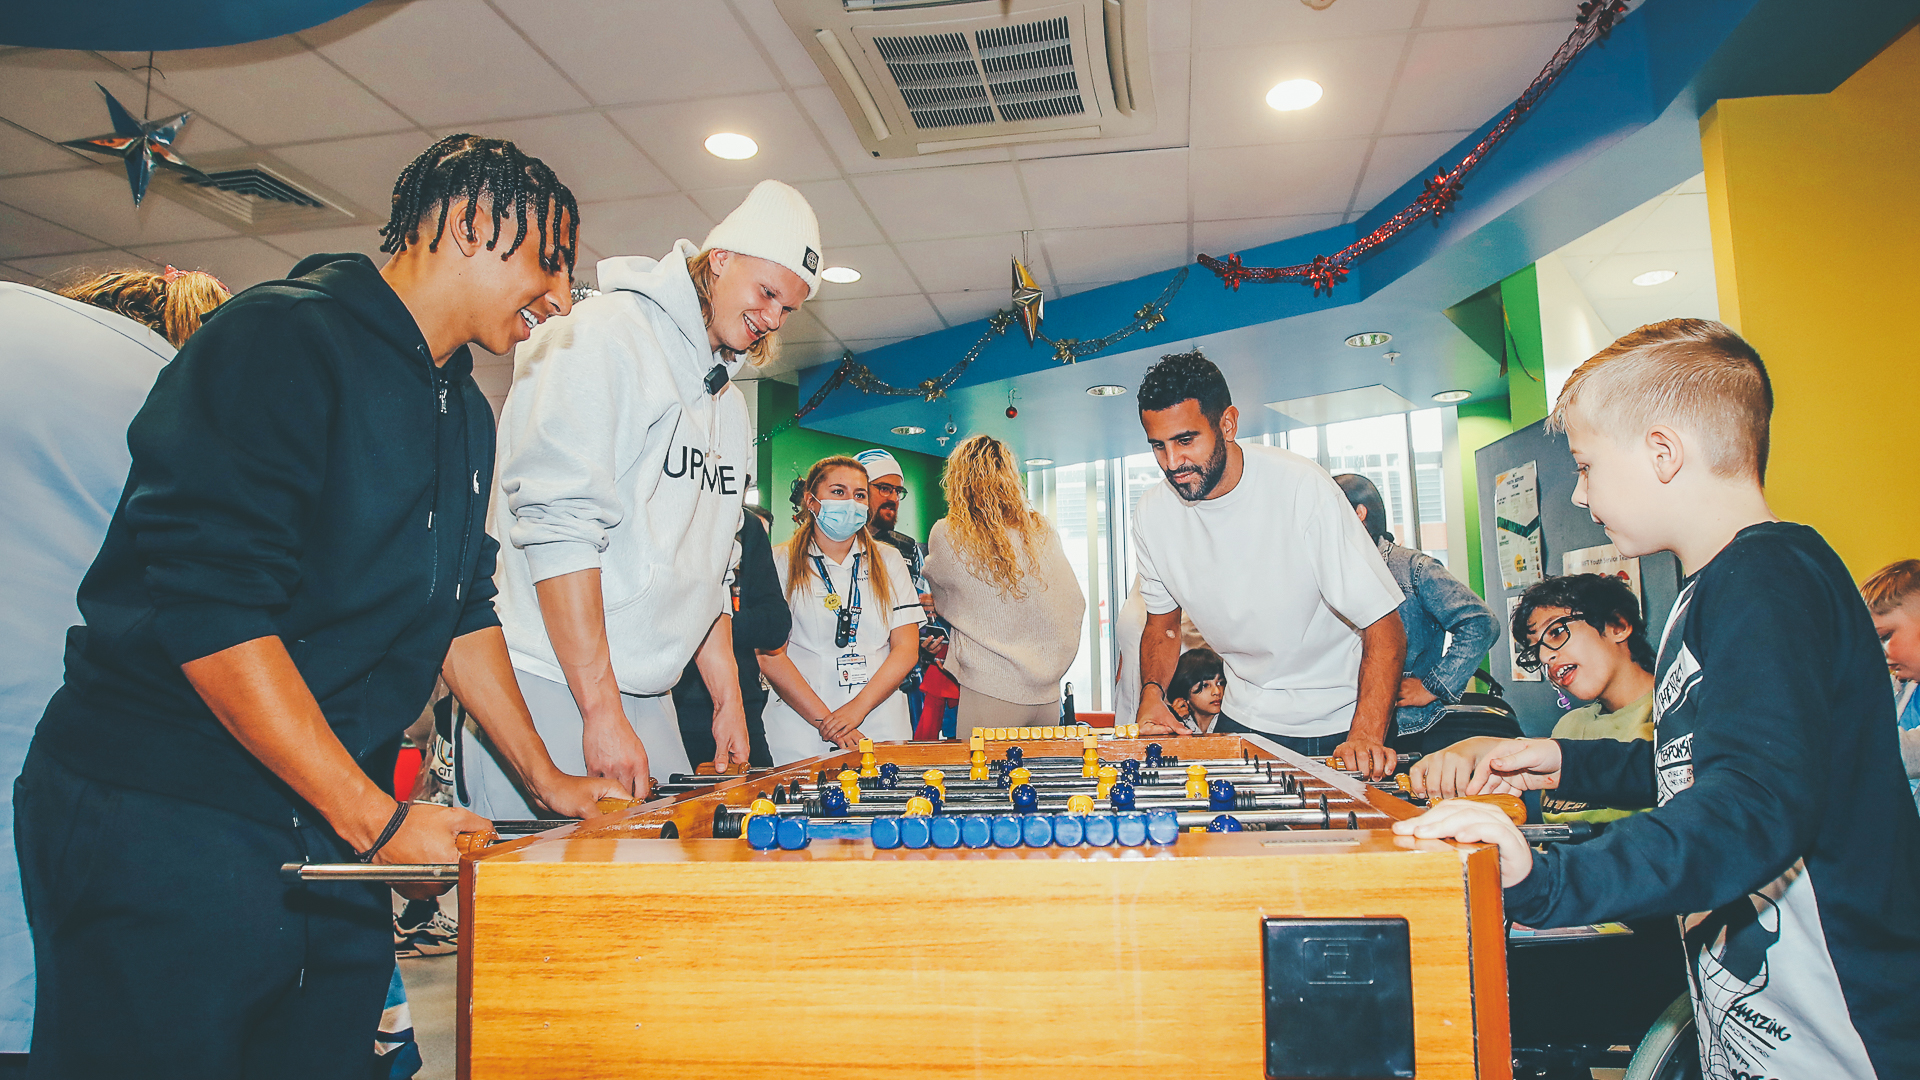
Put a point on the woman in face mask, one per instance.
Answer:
(856, 621)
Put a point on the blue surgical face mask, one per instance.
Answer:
(840, 518)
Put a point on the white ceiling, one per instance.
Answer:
(1667, 232)
(618, 95)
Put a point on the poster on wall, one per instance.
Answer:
(1605, 559)
(1518, 674)
(1516, 524)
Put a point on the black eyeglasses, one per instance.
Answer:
(890, 490)
(1554, 635)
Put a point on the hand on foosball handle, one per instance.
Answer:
(429, 836)
(568, 796)
(1471, 822)
(730, 745)
(1363, 755)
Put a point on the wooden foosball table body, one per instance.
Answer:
(600, 950)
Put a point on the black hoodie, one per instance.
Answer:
(301, 469)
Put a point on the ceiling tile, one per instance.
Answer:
(876, 316)
(1170, 24)
(364, 239)
(789, 55)
(1607, 238)
(8, 273)
(1432, 95)
(51, 92)
(1114, 254)
(22, 234)
(267, 93)
(1219, 238)
(1169, 75)
(1252, 22)
(623, 51)
(61, 269)
(881, 273)
(1276, 181)
(238, 262)
(1679, 221)
(674, 135)
(976, 262)
(1086, 286)
(645, 226)
(362, 170)
(966, 307)
(1230, 91)
(1612, 277)
(381, 46)
(21, 151)
(967, 200)
(1492, 12)
(797, 357)
(1397, 159)
(821, 104)
(95, 203)
(1139, 188)
(801, 328)
(843, 221)
(587, 153)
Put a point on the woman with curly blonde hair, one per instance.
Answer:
(1001, 579)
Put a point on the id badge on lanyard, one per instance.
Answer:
(850, 670)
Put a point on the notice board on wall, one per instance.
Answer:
(1563, 528)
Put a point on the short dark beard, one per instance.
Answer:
(1210, 474)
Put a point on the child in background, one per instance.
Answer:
(1780, 833)
(1586, 633)
(1893, 595)
(1199, 685)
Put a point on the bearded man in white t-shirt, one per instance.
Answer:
(1259, 547)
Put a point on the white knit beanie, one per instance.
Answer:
(776, 224)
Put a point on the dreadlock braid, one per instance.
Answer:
(477, 170)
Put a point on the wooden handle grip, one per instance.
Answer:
(470, 843)
(613, 804)
(1509, 805)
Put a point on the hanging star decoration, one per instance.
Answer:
(142, 144)
(1029, 303)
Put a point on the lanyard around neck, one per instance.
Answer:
(853, 592)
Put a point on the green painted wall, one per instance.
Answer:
(1481, 422)
(1526, 348)
(786, 457)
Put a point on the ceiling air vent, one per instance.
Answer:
(241, 191)
(922, 76)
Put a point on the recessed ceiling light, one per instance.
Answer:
(840, 275)
(1369, 340)
(1294, 94)
(1656, 277)
(1038, 462)
(1448, 397)
(733, 147)
(1107, 390)
(909, 429)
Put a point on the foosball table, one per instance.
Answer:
(1041, 903)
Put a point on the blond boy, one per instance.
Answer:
(1893, 595)
(1782, 833)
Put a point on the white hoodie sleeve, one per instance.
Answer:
(565, 446)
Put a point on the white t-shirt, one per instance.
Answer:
(810, 646)
(1277, 574)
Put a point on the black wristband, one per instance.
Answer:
(386, 834)
(1156, 686)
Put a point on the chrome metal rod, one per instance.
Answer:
(397, 873)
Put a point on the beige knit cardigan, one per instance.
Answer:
(1016, 650)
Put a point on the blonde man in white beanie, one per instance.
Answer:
(625, 456)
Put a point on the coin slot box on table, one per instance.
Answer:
(1339, 999)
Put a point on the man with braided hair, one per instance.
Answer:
(299, 550)
(625, 458)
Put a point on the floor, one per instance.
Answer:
(430, 995)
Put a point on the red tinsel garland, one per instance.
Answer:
(1594, 23)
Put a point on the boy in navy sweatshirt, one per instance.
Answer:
(1781, 834)
(300, 548)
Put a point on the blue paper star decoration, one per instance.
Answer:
(142, 144)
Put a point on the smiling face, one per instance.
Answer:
(1190, 449)
(1899, 631)
(750, 298)
(1588, 661)
(508, 298)
(1618, 487)
(886, 492)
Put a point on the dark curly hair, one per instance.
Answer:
(1187, 376)
(490, 171)
(1600, 600)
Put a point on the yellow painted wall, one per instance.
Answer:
(1815, 208)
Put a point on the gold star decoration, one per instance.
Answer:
(1029, 303)
(141, 144)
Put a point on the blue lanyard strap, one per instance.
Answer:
(853, 593)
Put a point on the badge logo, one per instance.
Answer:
(832, 602)
(811, 260)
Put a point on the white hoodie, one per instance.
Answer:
(613, 455)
